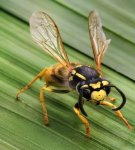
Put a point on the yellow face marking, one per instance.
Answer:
(80, 76)
(70, 78)
(95, 85)
(73, 72)
(105, 82)
(98, 95)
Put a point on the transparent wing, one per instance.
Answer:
(46, 34)
(98, 39)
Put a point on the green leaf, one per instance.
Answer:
(21, 124)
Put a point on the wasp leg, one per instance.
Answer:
(117, 112)
(83, 119)
(40, 75)
(110, 98)
(42, 100)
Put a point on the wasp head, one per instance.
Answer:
(96, 91)
(99, 90)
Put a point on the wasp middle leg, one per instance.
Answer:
(42, 100)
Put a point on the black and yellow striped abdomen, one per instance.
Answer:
(82, 73)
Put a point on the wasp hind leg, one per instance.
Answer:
(118, 113)
(83, 119)
(40, 75)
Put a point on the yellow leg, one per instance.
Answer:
(84, 121)
(117, 112)
(40, 75)
(110, 98)
(42, 100)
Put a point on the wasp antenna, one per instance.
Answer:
(123, 98)
(80, 102)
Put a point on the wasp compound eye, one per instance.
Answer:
(107, 89)
(86, 94)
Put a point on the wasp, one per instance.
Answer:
(66, 76)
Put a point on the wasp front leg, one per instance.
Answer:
(83, 119)
(118, 113)
(110, 98)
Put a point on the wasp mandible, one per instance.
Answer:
(67, 76)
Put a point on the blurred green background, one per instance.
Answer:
(21, 126)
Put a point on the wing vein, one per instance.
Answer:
(46, 34)
(98, 39)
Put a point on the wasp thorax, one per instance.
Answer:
(82, 73)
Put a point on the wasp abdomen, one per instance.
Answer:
(82, 73)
